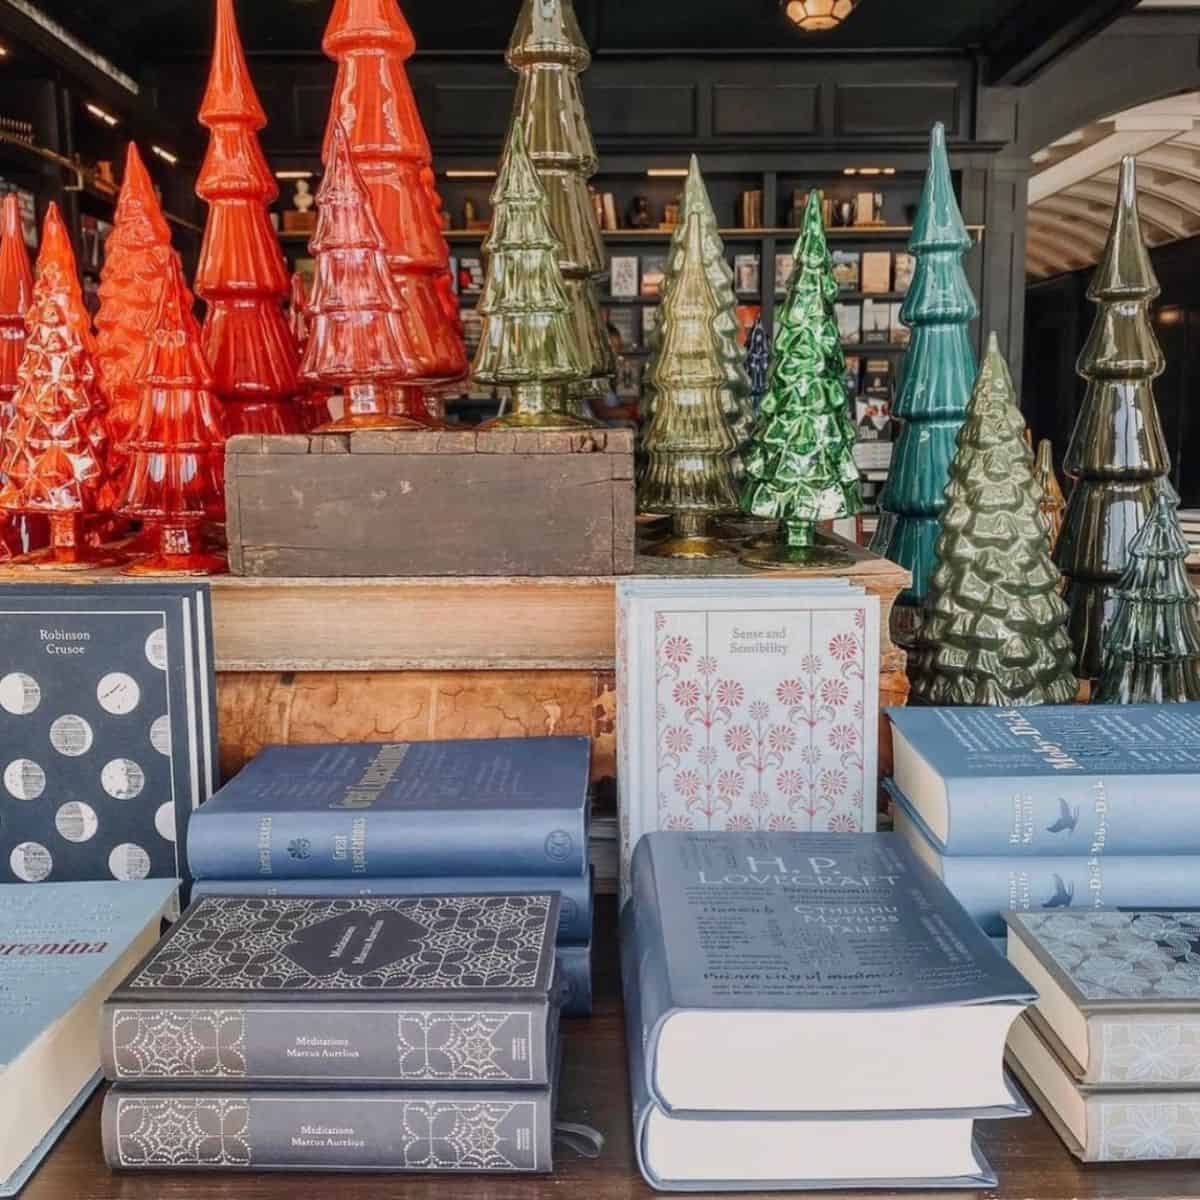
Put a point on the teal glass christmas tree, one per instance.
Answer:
(1117, 452)
(799, 464)
(1152, 649)
(994, 628)
(939, 372)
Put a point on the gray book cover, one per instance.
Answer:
(366, 991)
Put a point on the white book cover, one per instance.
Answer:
(746, 705)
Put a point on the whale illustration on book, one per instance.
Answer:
(1068, 818)
(1064, 893)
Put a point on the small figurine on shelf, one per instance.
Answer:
(758, 364)
(994, 629)
(799, 461)
(177, 444)
(639, 216)
(300, 218)
(528, 342)
(1053, 502)
(688, 443)
(54, 451)
(1152, 649)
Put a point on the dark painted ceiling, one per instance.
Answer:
(134, 33)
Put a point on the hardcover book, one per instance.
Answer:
(849, 323)
(502, 806)
(107, 707)
(363, 991)
(575, 978)
(1118, 993)
(745, 705)
(785, 264)
(989, 886)
(838, 958)
(62, 948)
(623, 275)
(876, 322)
(654, 268)
(846, 269)
(745, 274)
(1056, 780)
(903, 265)
(877, 271)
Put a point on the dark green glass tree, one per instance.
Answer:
(939, 371)
(1152, 648)
(758, 364)
(688, 443)
(994, 629)
(799, 462)
(1117, 452)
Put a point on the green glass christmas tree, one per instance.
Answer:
(799, 464)
(1116, 453)
(994, 629)
(527, 343)
(1152, 648)
(548, 52)
(939, 371)
(688, 443)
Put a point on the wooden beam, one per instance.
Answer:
(1098, 157)
(1067, 228)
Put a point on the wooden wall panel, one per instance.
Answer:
(896, 108)
(750, 109)
(642, 110)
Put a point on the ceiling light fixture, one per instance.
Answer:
(868, 170)
(101, 115)
(667, 172)
(465, 174)
(294, 174)
(166, 155)
(4, 51)
(815, 16)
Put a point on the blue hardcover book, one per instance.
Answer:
(502, 806)
(738, 1151)
(989, 887)
(575, 978)
(839, 959)
(63, 946)
(1058, 780)
(575, 892)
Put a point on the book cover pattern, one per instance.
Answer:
(1130, 1129)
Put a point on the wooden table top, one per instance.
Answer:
(1030, 1160)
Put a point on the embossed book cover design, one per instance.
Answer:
(363, 991)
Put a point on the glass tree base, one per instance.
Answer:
(539, 420)
(179, 564)
(353, 422)
(776, 556)
(742, 528)
(70, 549)
(688, 546)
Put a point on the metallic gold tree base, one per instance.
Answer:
(688, 546)
(540, 420)
(780, 557)
(744, 528)
(353, 422)
(178, 565)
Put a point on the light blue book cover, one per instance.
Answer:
(496, 806)
(1057, 780)
(57, 942)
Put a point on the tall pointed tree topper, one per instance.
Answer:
(1152, 647)
(527, 342)
(373, 102)
(799, 462)
(1117, 451)
(688, 443)
(939, 372)
(242, 275)
(1054, 503)
(995, 626)
(549, 53)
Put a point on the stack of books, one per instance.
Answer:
(809, 1010)
(1111, 1052)
(452, 817)
(370, 1033)
(1057, 807)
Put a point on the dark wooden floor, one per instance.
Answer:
(1030, 1160)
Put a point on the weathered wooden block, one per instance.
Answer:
(427, 503)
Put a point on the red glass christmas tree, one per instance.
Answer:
(54, 450)
(373, 102)
(313, 402)
(361, 332)
(176, 446)
(242, 275)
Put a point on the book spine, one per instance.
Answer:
(1124, 1126)
(989, 887)
(354, 844)
(642, 925)
(443, 1131)
(1127, 1050)
(574, 914)
(575, 980)
(628, 727)
(1059, 816)
(351, 1045)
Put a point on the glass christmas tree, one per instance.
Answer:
(313, 403)
(54, 450)
(758, 364)
(242, 275)
(176, 446)
(939, 371)
(548, 52)
(527, 343)
(688, 443)
(359, 341)
(994, 629)
(799, 463)
(1053, 501)
(1116, 452)
(1152, 647)
(373, 103)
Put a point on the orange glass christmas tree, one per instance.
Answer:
(242, 275)
(54, 450)
(373, 101)
(360, 340)
(176, 460)
(313, 402)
